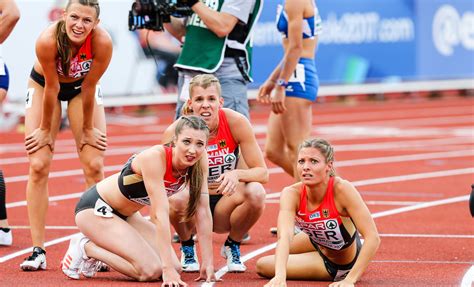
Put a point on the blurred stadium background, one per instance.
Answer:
(367, 47)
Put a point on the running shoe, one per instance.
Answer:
(37, 260)
(232, 254)
(189, 261)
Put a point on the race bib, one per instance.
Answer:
(298, 75)
(102, 209)
(98, 96)
(29, 98)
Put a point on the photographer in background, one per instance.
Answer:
(216, 40)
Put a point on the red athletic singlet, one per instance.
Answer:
(80, 65)
(222, 151)
(324, 225)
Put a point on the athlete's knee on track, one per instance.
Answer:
(272, 154)
(150, 271)
(264, 267)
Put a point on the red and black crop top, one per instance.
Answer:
(324, 225)
(80, 64)
(222, 150)
(132, 185)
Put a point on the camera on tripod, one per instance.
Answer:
(151, 14)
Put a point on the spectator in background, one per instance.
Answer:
(330, 213)
(217, 41)
(293, 85)
(165, 49)
(9, 16)
(72, 55)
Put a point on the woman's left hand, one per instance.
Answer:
(343, 283)
(278, 101)
(207, 274)
(229, 182)
(95, 138)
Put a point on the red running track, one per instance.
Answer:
(412, 161)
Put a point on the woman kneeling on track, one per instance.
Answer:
(112, 229)
(236, 194)
(330, 213)
(72, 55)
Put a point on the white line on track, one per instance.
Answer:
(375, 160)
(221, 272)
(59, 227)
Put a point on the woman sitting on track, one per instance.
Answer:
(330, 213)
(73, 54)
(114, 232)
(237, 196)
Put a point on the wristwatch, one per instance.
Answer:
(282, 83)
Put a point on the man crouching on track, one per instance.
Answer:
(113, 230)
(236, 195)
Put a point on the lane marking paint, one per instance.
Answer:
(221, 272)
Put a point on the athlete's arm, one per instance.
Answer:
(286, 225)
(151, 163)
(102, 54)
(204, 227)
(352, 203)
(9, 16)
(257, 170)
(46, 52)
(220, 23)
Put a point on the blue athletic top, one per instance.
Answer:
(311, 25)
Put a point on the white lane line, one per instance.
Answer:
(423, 262)
(468, 279)
(29, 249)
(221, 272)
(59, 227)
(277, 194)
(366, 161)
(449, 236)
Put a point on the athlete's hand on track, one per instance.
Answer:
(229, 182)
(171, 278)
(276, 282)
(93, 137)
(207, 274)
(38, 139)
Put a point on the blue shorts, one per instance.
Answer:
(304, 83)
(5, 80)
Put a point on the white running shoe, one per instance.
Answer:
(74, 259)
(232, 254)
(6, 238)
(189, 261)
(90, 267)
(37, 260)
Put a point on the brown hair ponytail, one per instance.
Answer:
(63, 45)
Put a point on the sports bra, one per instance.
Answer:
(324, 225)
(132, 185)
(311, 25)
(80, 65)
